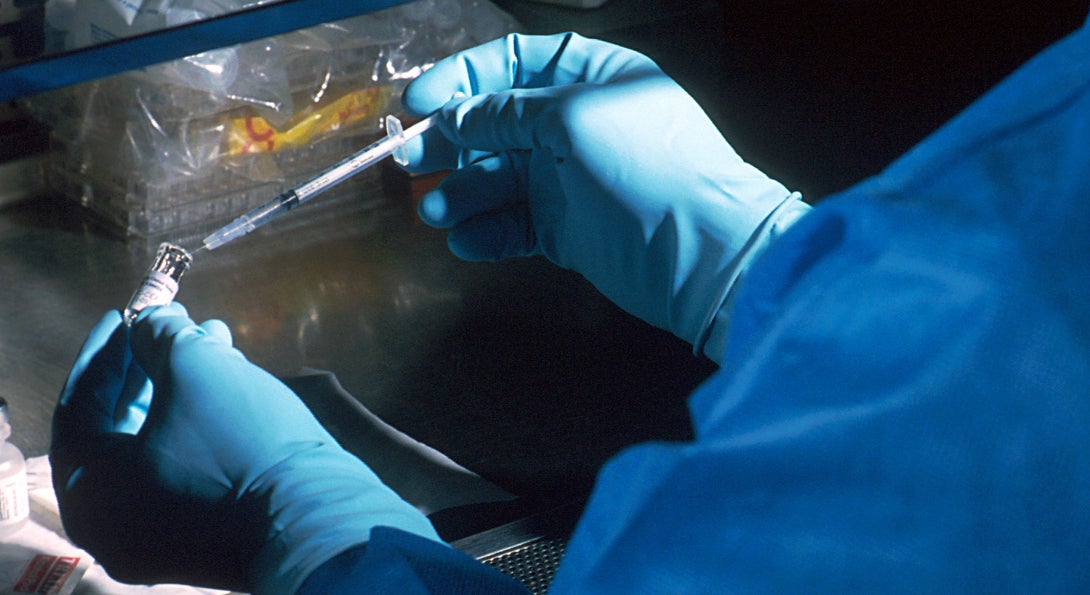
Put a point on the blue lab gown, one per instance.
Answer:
(905, 400)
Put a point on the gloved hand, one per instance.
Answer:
(230, 482)
(587, 153)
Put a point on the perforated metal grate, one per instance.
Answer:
(534, 564)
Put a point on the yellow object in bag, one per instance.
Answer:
(254, 134)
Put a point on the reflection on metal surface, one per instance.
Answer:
(424, 477)
(518, 370)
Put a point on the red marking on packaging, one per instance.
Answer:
(256, 137)
(46, 574)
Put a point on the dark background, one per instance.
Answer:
(822, 93)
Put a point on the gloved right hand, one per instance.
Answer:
(587, 153)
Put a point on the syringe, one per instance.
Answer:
(393, 143)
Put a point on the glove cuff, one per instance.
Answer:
(320, 503)
(712, 340)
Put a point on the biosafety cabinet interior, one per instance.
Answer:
(519, 372)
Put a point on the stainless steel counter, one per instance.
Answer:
(518, 370)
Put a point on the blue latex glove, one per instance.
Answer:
(587, 153)
(230, 482)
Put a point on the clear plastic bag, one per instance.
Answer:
(216, 126)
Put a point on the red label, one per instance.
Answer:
(46, 574)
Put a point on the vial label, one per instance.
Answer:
(158, 289)
(14, 501)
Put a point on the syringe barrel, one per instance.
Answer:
(259, 215)
(347, 168)
(251, 220)
(350, 166)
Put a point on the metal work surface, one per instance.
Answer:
(518, 370)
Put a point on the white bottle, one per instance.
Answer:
(14, 502)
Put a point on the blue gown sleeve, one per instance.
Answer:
(395, 561)
(904, 403)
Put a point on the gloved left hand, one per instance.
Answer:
(230, 482)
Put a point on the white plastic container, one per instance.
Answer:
(14, 500)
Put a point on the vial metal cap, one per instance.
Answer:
(160, 283)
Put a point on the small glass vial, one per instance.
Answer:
(14, 500)
(160, 284)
